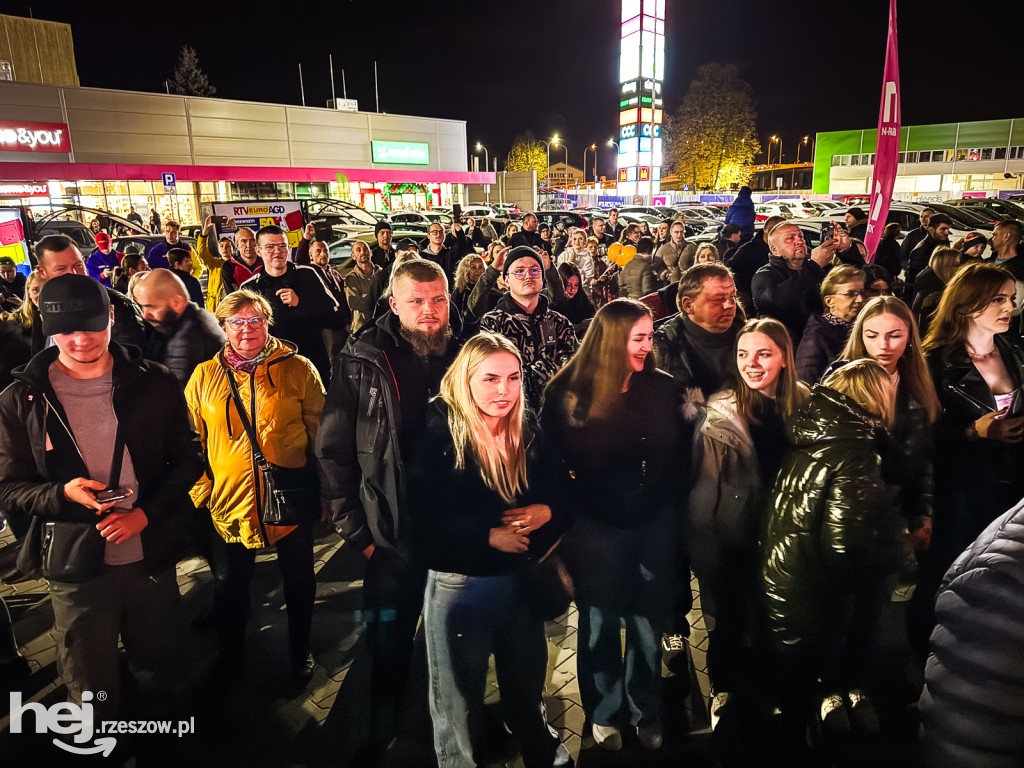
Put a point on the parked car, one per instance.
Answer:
(567, 218)
(420, 217)
(998, 209)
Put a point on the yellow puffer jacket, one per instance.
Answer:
(213, 263)
(286, 403)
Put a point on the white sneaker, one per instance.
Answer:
(607, 737)
(650, 735)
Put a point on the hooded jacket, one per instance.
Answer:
(283, 399)
(544, 338)
(821, 344)
(828, 502)
(359, 445)
(39, 454)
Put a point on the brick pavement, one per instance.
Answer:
(263, 723)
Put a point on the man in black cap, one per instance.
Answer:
(105, 476)
(12, 285)
(382, 253)
(544, 338)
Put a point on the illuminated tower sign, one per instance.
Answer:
(641, 71)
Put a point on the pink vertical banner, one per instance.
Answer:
(888, 146)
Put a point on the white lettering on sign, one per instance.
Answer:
(876, 209)
(890, 103)
(24, 190)
(31, 139)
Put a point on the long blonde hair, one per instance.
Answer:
(867, 384)
(912, 367)
(790, 394)
(501, 459)
(592, 380)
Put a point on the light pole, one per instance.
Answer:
(591, 148)
(792, 181)
(613, 143)
(547, 150)
(487, 162)
(555, 141)
(774, 140)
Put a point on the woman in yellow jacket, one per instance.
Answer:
(283, 396)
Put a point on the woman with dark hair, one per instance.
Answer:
(575, 306)
(486, 492)
(631, 235)
(978, 369)
(616, 421)
(131, 265)
(878, 281)
(931, 282)
(826, 502)
(887, 253)
(738, 451)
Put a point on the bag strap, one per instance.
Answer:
(254, 442)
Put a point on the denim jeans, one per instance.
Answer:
(622, 576)
(465, 620)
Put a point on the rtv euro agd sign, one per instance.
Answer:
(20, 136)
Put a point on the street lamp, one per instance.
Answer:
(487, 161)
(592, 147)
(555, 142)
(547, 150)
(774, 140)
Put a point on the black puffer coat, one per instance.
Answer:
(828, 502)
(972, 707)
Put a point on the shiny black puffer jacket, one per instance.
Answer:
(826, 507)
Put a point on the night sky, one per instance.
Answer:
(552, 67)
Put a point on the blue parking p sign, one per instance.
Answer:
(170, 187)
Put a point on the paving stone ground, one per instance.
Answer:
(262, 722)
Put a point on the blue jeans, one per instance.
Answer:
(622, 576)
(465, 620)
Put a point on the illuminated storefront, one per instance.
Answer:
(641, 72)
(110, 150)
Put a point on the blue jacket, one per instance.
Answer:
(741, 213)
(98, 261)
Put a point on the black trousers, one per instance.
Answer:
(233, 566)
(393, 593)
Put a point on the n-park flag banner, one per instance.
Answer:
(888, 145)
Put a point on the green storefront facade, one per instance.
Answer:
(973, 155)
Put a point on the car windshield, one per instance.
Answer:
(349, 214)
(964, 218)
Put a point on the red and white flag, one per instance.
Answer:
(888, 147)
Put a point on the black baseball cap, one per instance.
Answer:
(73, 303)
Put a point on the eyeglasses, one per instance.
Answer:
(521, 273)
(851, 294)
(240, 322)
(435, 231)
(275, 247)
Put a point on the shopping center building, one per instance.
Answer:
(111, 149)
(935, 162)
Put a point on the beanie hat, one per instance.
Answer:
(381, 225)
(521, 252)
(972, 240)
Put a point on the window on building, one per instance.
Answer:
(1000, 153)
(986, 153)
(855, 160)
(961, 154)
(865, 160)
(911, 157)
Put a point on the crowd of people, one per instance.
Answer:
(500, 424)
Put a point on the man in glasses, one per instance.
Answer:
(545, 338)
(302, 305)
(446, 251)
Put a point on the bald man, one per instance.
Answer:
(181, 334)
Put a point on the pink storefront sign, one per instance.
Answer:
(888, 146)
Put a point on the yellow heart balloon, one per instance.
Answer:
(628, 252)
(613, 251)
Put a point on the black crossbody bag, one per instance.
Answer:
(290, 496)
